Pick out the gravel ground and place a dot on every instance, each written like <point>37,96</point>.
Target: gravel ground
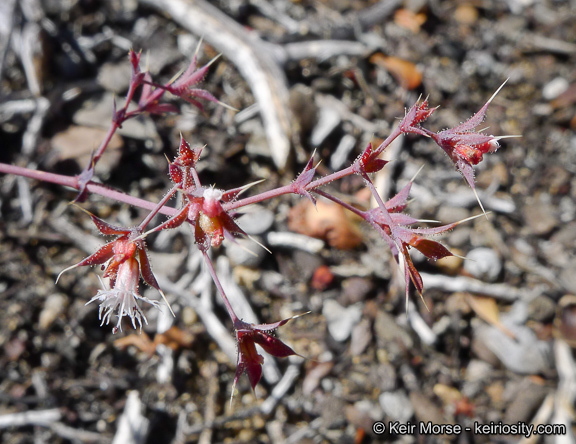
<point>493,342</point>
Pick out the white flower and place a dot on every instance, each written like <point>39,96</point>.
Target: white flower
<point>123,297</point>
<point>213,194</point>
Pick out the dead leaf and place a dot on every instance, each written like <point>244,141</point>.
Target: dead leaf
<point>141,341</point>
<point>327,221</point>
<point>78,143</point>
<point>406,73</point>
<point>315,375</point>
<point>487,310</point>
<point>409,19</point>
<point>173,338</point>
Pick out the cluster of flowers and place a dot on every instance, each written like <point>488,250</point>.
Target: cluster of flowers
<point>210,212</point>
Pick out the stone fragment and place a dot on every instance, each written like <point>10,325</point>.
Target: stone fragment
<point>341,320</point>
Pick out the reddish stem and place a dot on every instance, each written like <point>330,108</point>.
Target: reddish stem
<point>235,319</point>
<point>158,207</point>
<point>229,206</point>
<point>98,154</point>
<point>92,187</point>
<point>287,189</point>
<point>395,133</point>
<point>340,202</point>
<point>115,124</point>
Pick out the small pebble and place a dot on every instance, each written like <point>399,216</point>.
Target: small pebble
<point>256,221</point>
<point>540,217</point>
<point>361,337</point>
<point>396,405</point>
<point>54,306</point>
<point>303,108</point>
<point>554,88</point>
<point>483,264</point>
<point>257,144</point>
<point>296,241</point>
<point>355,289</point>
<point>322,278</point>
<point>568,276</point>
<point>115,77</point>
<point>528,399</point>
<point>78,143</point>
<point>328,120</point>
<point>390,335</point>
<point>524,354</point>
<point>341,320</point>
<point>542,308</point>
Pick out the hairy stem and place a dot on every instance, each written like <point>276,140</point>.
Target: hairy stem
<point>92,187</point>
<point>340,202</point>
<point>286,189</point>
<point>235,319</point>
<point>158,207</point>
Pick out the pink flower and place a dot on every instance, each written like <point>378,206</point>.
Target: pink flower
<point>123,297</point>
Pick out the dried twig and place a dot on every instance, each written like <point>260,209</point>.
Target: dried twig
<point>209,372</point>
<point>133,425</point>
<point>322,50</point>
<point>78,435</point>
<point>281,389</point>
<point>566,391</point>
<point>461,283</point>
<point>203,307</point>
<point>31,417</point>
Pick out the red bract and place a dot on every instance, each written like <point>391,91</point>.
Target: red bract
<point>149,102</point>
<point>183,86</point>
<point>205,213</point>
<point>368,161</point>
<point>213,223</point>
<point>417,114</point>
<point>304,179</point>
<point>203,209</point>
<point>394,227</point>
<point>181,170</point>
<point>127,261</point>
<point>249,361</point>
<point>464,145</point>
<point>152,92</point>
<point>125,246</point>
<point>134,58</point>
<point>150,99</point>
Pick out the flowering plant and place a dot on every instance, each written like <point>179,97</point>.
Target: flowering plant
<point>210,212</point>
